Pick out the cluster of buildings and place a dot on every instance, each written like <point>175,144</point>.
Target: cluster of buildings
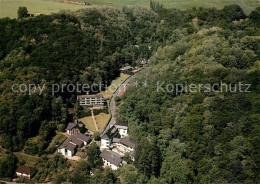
<point>72,143</point>
<point>115,144</point>
<point>75,141</point>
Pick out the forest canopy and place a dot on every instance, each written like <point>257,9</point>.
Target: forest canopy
<point>181,137</point>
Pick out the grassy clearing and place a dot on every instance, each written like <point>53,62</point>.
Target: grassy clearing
<point>114,84</point>
<point>247,5</point>
<point>87,121</point>
<point>30,160</point>
<point>8,8</point>
<point>57,140</point>
<point>102,120</point>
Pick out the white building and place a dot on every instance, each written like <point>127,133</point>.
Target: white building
<point>105,142</point>
<point>122,129</point>
<point>91,100</point>
<point>123,146</point>
<point>69,146</point>
<point>111,159</point>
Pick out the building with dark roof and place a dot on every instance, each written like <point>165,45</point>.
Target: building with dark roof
<point>85,139</point>
<point>111,159</point>
<point>77,142</point>
<point>116,140</point>
<point>69,146</point>
<point>74,128</point>
<point>25,172</point>
<point>128,143</point>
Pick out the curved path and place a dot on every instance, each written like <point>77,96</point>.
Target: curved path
<point>112,103</point>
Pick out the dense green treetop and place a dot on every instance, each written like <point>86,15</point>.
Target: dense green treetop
<point>183,137</point>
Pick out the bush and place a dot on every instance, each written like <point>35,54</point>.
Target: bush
<point>96,136</point>
<point>98,111</point>
<point>61,127</point>
<point>22,12</point>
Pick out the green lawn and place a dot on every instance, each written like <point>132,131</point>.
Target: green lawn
<point>8,8</point>
<point>114,84</point>
<point>102,120</point>
<point>88,123</point>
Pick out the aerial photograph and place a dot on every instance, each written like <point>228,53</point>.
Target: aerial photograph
<point>130,91</point>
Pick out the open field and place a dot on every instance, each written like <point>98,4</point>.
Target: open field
<point>102,120</point>
<point>30,160</point>
<point>87,121</point>
<point>247,5</point>
<point>114,84</point>
<point>8,8</point>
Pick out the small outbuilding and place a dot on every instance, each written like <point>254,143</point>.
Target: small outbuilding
<point>25,172</point>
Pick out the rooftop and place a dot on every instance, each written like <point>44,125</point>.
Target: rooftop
<point>105,136</point>
<point>111,157</point>
<point>26,170</point>
<point>71,126</point>
<point>83,137</point>
<point>68,145</point>
<point>116,140</point>
<point>75,140</point>
<point>127,142</point>
<point>121,124</point>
